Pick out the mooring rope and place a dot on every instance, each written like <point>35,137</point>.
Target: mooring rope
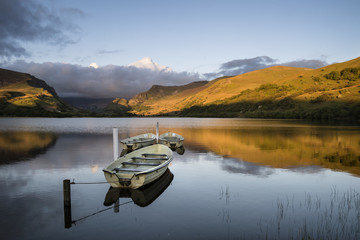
<point>73,182</point>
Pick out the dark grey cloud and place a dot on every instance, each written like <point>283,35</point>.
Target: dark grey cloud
<point>240,66</point>
<point>27,21</point>
<point>71,80</point>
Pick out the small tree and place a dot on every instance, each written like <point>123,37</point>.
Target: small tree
<point>334,75</point>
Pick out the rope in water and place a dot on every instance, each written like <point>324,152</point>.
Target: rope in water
<point>103,210</point>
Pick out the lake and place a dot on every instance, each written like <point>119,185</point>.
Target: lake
<point>237,179</point>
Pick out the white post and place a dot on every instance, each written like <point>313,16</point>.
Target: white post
<point>157,132</point>
<point>116,143</point>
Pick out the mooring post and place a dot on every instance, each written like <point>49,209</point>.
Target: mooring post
<point>116,142</point>
<point>117,206</point>
<point>67,203</point>
<point>157,132</point>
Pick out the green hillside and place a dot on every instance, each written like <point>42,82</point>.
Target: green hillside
<point>24,95</point>
<point>276,92</point>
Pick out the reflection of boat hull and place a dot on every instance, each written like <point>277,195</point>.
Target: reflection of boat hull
<point>140,167</point>
<point>137,142</point>
<point>172,140</point>
<point>143,196</point>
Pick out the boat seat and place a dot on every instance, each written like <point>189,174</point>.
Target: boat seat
<point>141,164</point>
<point>154,154</point>
<point>149,158</point>
<point>126,170</point>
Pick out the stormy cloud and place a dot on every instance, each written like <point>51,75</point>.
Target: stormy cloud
<point>70,80</point>
<point>26,21</point>
<point>240,66</point>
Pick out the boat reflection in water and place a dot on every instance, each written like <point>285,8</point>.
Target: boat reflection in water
<point>143,196</point>
<point>179,150</point>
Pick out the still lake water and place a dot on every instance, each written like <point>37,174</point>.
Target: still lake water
<point>237,179</point>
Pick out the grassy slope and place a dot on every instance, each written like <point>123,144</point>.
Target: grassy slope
<point>259,93</point>
<point>23,95</point>
<point>170,100</point>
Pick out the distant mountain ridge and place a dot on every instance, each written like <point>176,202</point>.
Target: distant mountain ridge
<point>90,104</point>
<point>158,91</point>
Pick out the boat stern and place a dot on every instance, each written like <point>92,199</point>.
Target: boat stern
<point>115,181</point>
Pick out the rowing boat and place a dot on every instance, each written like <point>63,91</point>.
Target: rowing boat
<point>172,140</point>
<point>139,167</point>
<point>138,141</point>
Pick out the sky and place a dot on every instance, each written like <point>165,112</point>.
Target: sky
<point>84,47</point>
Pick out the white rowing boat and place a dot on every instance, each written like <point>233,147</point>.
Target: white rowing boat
<point>139,141</point>
<point>139,167</point>
<point>172,140</point>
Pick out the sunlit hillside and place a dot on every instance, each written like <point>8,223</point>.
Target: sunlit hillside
<point>276,92</point>
<point>24,95</point>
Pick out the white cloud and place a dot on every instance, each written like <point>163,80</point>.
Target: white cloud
<point>147,63</point>
<point>94,65</point>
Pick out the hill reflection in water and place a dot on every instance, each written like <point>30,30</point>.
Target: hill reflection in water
<point>18,146</point>
<point>292,147</point>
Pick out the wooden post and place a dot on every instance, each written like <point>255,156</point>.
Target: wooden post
<point>157,132</point>
<point>117,206</point>
<point>116,142</point>
<point>67,203</point>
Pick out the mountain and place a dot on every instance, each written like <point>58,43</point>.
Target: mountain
<point>275,92</point>
<point>142,102</point>
<point>119,107</point>
<point>24,95</point>
<point>90,104</point>
<point>147,63</point>
<point>157,92</point>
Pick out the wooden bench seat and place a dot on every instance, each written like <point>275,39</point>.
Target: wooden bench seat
<point>141,164</point>
<point>149,158</point>
<point>127,170</point>
<point>154,154</point>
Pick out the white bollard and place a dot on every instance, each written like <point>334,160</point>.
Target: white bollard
<point>116,142</point>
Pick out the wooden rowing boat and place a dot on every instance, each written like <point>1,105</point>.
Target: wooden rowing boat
<point>172,140</point>
<point>138,141</point>
<point>143,196</point>
<point>139,167</point>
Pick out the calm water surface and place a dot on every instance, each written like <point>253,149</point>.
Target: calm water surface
<point>237,179</point>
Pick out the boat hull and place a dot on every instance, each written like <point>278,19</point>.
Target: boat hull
<point>144,169</point>
<point>143,196</point>
<point>135,182</point>
<point>172,140</point>
<point>138,142</point>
